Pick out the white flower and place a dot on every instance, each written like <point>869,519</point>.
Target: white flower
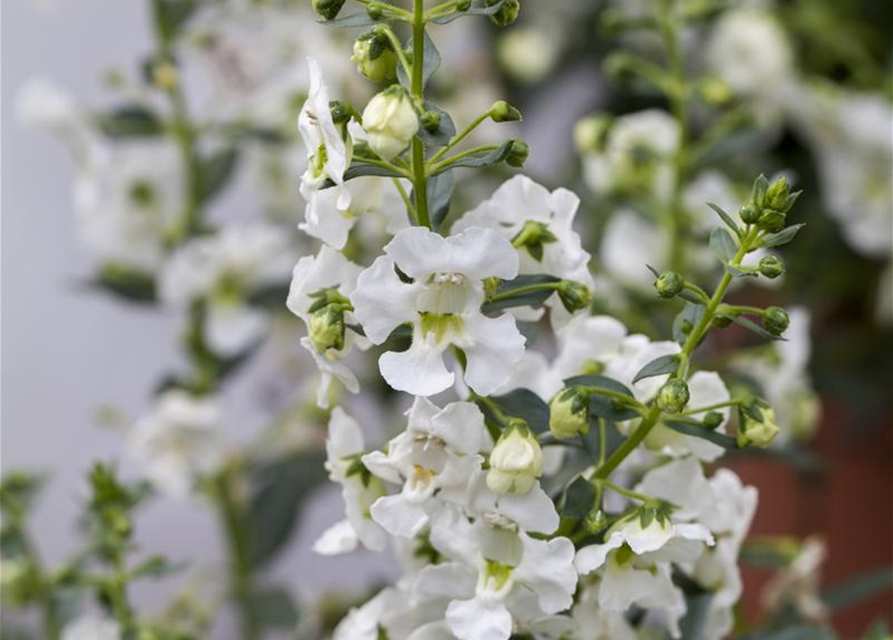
<point>328,270</point>
<point>390,121</point>
<point>516,462</point>
<point>799,583</point>
<point>594,623</point>
<point>629,243</point>
<point>177,441</point>
<point>91,628</point>
<point>588,343</point>
<point>130,199</point>
<point>443,305</point>
<point>328,155</point>
<point>637,156</point>
<point>41,102</point>
<point>540,225</point>
<point>434,460</point>
<point>223,270</point>
<point>360,490</point>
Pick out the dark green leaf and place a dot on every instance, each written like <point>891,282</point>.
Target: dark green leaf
<point>719,439</point>
<point>274,608</point>
<point>353,20</point>
<point>529,298</point>
<point>730,222</point>
<point>125,283</point>
<point>473,11</point>
<point>432,63</point>
<point>130,121</point>
<point>722,245</point>
<point>278,489</point>
<point>217,170</point>
<point>601,406</point>
<point>525,404</point>
<point>482,159</point>
<point>693,624</point>
<point>747,323</point>
<point>172,15</point>
<point>657,367</point>
<point>358,170</point>
<point>864,586</point>
<point>445,131</point>
<point>579,499</point>
<point>740,273</point>
<point>440,192</point>
<point>690,315</point>
<point>782,237</point>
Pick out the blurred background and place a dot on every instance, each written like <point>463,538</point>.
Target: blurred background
<point>70,349</point>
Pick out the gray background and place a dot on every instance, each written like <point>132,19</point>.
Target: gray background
<point>65,351</point>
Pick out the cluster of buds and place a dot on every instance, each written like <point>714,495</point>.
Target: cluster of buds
<point>769,204</point>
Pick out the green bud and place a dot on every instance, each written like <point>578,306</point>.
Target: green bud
<point>673,396</point>
<point>721,322</point>
<point>686,326</point>
<point>595,522</point>
<point>777,194</point>
<point>342,112</point>
<point>518,153</point>
<point>326,329</point>
<point>430,121</point>
<point>328,9</point>
<point>771,221</point>
<point>516,461</point>
<point>375,11</point>
<point>569,413</point>
<point>502,111</point>
<point>756,425</point>
<point>463,5</point>
<point>591,133</point>
<point>669,284</point>
<point>775,320</point>
<point>490,286</point>
<point>574,296</point>
<point>533,236</point>
<point>506,14</point>
<point>375,57</point>
<point>713,419</point>
<point>771,266</point>
<point>758,193</point>
<point>749,214</point>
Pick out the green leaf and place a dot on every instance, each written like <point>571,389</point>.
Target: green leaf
<point>217,171</point>
<point>445,131</point>
<point>278,489</point>
<point>127,284</point>
<point>354,20</point>
<point>722,245</point>
<point>529,298</point>
<point>274,608</point>
<point>172,15</point>
<point>693,624</point>
<point>579,499</point>
<point>481,159</point>
<point>782,237</point>
<point>440,193</point>
<point>658,367</point>
<point>691,314</point>
<point>525,404</point>
<point>749,324</point>
<point>431,64</point>
<point>740,273</point>
<point>730,222</point>
<point>864,586</point>
<point>601,406</point>
<point>357,170</point>
<point>130,121</point>
<point>719,439</point>
<point>473,11</point>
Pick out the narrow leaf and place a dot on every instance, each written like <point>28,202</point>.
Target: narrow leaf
<point>431,64</point>
<point>722,245</point>
<point>730,222</point>
<point>473,11</point>
<point>749,324</point>
<point>130,121</point>
<point>525,299</point>
<point>358,170</point>
<point>690,316</point>
<point>720,439</point>
<point>782,237</point>
<point>217,171</point>
<point>440,192</point>
<point>482,159</point>
<point>657,367</point>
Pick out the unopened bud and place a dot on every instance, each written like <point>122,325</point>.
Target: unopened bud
<point>326,329</point>
<point>569,413</point>
<point>777,194</point>
<point>430,121</point>
<point>390,121</point>
<point>374,11</point>
<point>712,420</point>
<point>518,153</point>
<point>375,57</point>
<point>502,111</point>
<point>506,14</point>
<point>775,320</point>
<point>757,425</point>
<point>574,295</point>
<point>328,9</point>
<point>533,236</point>
<point>673,396</point>
<point>669,284</point>
<point>771,266</point>
<point>516,461</point>
<point>591,132</point>
<point>749,214</point>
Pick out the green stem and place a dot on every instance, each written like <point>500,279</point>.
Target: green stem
<point>375,162</point>
<point>616,395</point>
<point>461,135</point>
<point>405,197</point>
<point>459,156</point>
<point>396,12</point>
<point>398,50</point>
<point>616,488</point>
<point>602,441</point>
<point>419,166</point>
<point>241,569</point>
<point>712,407</point>
<point>507,295</point>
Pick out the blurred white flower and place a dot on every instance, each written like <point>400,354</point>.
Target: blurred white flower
<point>91,628</point>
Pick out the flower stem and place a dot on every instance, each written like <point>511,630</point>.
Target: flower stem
<point>459,156</point>
<point>540,286</point>
<point>461,136</point>
<point>419,166</point>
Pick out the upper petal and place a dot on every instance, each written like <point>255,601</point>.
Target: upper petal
<point>382,302</point>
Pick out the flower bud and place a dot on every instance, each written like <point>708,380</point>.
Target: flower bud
<point>391,121</point>
<point>721,322</point>
<point>669,284</point>
<point>775,320</point>
<point>326,328</point>
<point>516,461</point>
<point>569,413</point>
<point>715,91</point>
<point>375,56</point>
<point>591,132</point>
<point>777,194</point>
<point>712,420</point>
<point>328,9</point>
<point>673,396</point>
<point>771,221</point>
<point>430,121</point>
<point>574,295</point>
<point>771,266</point>
<point>375,11</point>
<point>749,214</point>
<point>506,14</point>
<point>757,425</point>
<point>502,111</point>
<point>595,522</point>
<point>533,236</point>
<point>518,153</point>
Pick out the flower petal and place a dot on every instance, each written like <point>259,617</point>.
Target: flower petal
<point>493,347</point>
<point>398,516</point>
<point>419,370</point>
<point>382,302</point>
<point>479,619</point>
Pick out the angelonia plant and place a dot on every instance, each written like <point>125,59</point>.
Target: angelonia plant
<point>551,471</point>
<point>535,498</point>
